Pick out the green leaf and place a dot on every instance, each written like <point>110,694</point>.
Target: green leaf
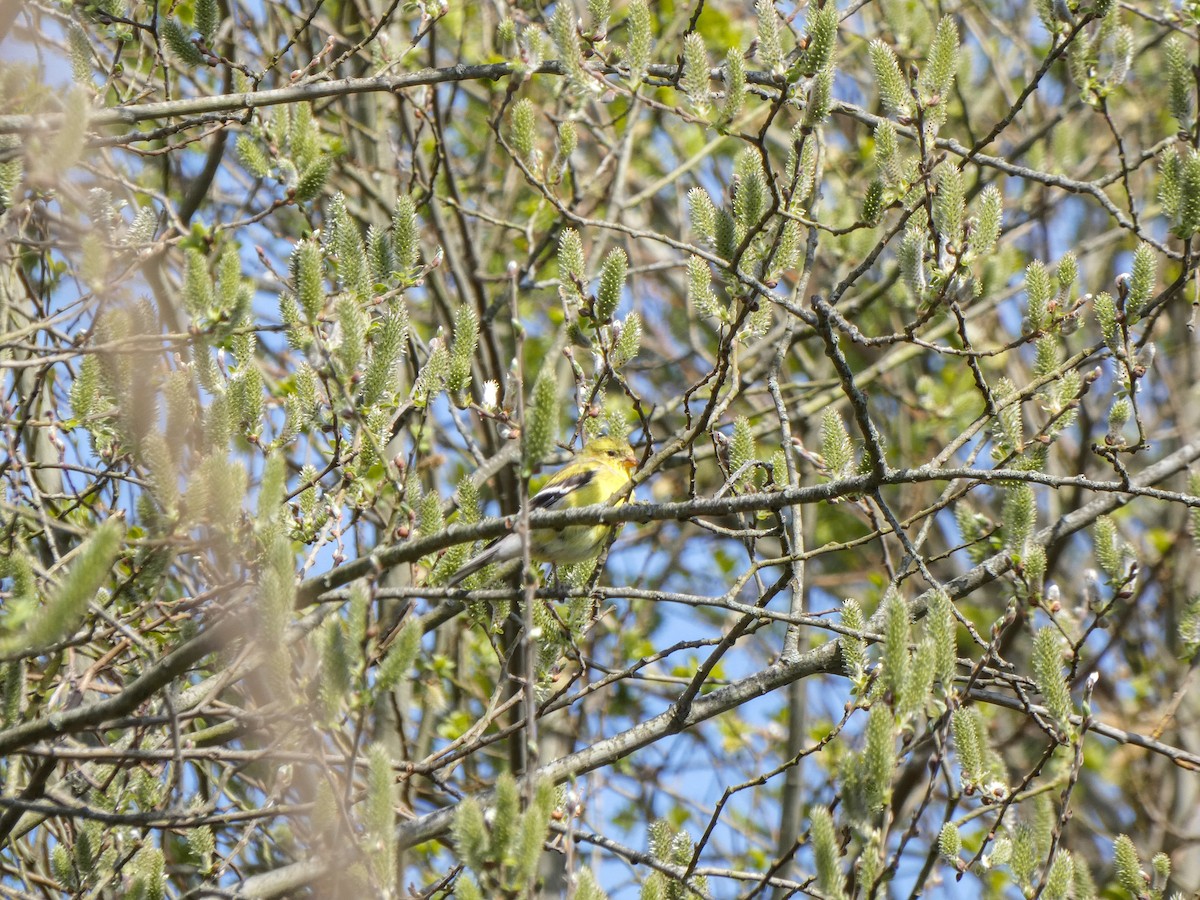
<point>306,265</point>
<point>879,758</point>
<point>1182,86</point>
<point>400,656</point>
<point>1038,292</point>
<point>523,123</point>
<point>612,282</point>
<point>462,354</point>
<point>1142,281</point>
<point>1019,514</point>
<point>741,446</point>
<point>1047,673</point>
<point>312,180</point>
<point>67,604</point>
<point>700,293</point>
<point>893,89</point>
<point>703,214</point>
<point>897,635</point>
<point>640,40</point>
<point>937,77</point>
<point>388,346</point>
<point>735,87</point>
<point>571,265</point>
<point>1127,867</point>
<point>198,294</point>
<point>405,237</point>
<point>822,28</point>
<point>887,152</point>
<point>207,17</point>
<point>836,447</point>
<point>750,202</point>
<point>949,205</point>
<point>1106,315</point>
<point>79,47</point>
<point>470,835</point>
<point>380,813</point>
<point>353,324</point>
<point>541,424</point>
<point>988,221</point>
<point>949,842</point>
<point>825,854</point>
<point>695,75</point>
<point>628,342</point>
<point>180,43</point>
<point>770,46</point>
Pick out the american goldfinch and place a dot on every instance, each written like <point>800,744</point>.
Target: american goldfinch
<point>597,472</point>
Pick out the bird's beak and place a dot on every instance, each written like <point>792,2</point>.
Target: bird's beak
<point>629,462</point>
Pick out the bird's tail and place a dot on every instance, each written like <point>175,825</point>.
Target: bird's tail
<point>499,551</point>
<point>485,558</point>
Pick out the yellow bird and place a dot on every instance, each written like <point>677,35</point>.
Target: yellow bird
<point>598,471</point>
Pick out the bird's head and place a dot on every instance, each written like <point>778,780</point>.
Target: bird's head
<point>614,451</point>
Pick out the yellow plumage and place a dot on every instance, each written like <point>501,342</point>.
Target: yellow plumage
<point>600,470</point>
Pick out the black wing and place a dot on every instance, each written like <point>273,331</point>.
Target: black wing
<point>552,495</point>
